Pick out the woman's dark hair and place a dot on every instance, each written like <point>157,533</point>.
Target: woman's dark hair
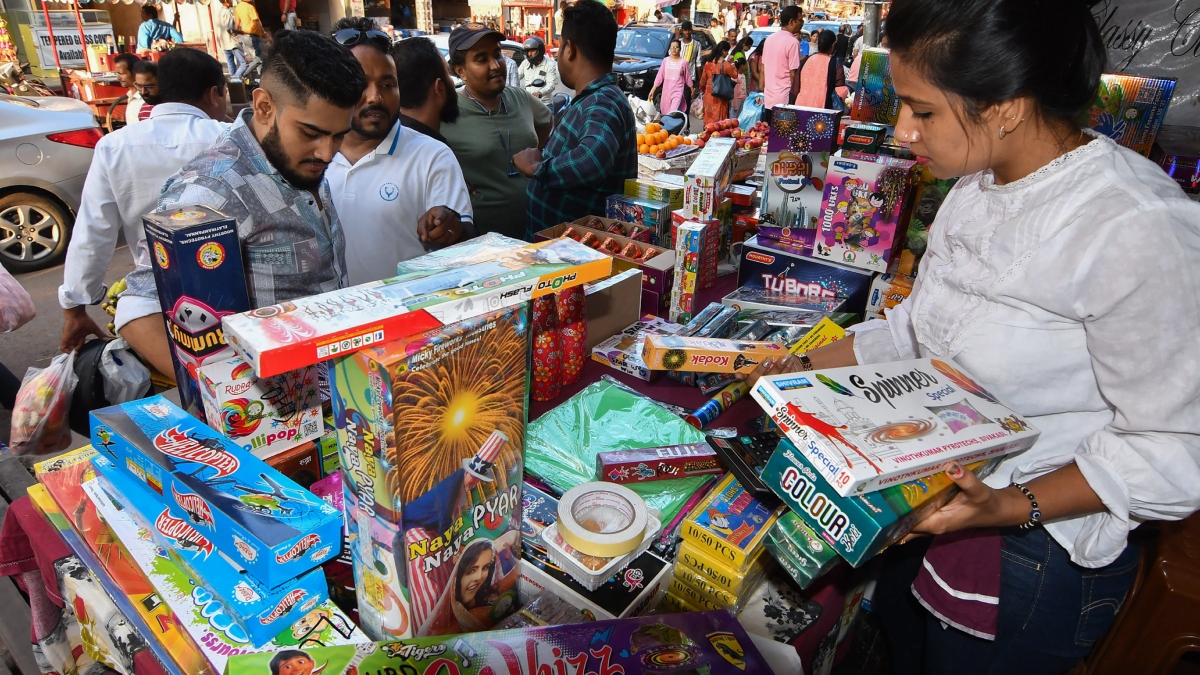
<point>746,42</point>
<point>720,51</point>
<point>825,41</point>
<point>486,594</point>
<point>985,52</point>
<point>286,655</point>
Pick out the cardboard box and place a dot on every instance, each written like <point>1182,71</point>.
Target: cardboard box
<point>798,150</point>
<point>1130,109</point>
<point>435,290</point>
<point>713,643</point>
<point>707,179</point>
<point>264,416</point>
<point>861,222</point>
<point>197,263</point>
<point>799,550</point>
<point>612,305</point>
<point>257,516</point>
<point>887,291</point>
<point>431,430</point>
<point>863,137</point>
<point>689,245</point>
<point>653,215</point>
<point>706,355</point>
<point>1177,151</point>
<point>869,427</point>
<point>261,612</point>
<point>301,463</point>
<point>649,464</point>
<point>658,191</point>
<point>749,299</point>
<point>875,100</point>
<point>927,201</point>
<point>716,572</point>
<point>730,524</point>
<point>623,351</point>
<point>658,272</point>
<point>800,277</point>
<point>861,526</point>
<point>741,195</point>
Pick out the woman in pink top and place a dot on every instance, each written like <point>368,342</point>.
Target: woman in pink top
<point>822,77</point>
<point>673,76</point>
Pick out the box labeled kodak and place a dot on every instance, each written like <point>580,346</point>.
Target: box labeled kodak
<point>263,520</point>
<point>453,284</point>
<point>730,523</point>
<point>623,351</point>
<point>866,428</point>
<point>860,526</point>
<point>265,416</point>
<point>261,612</point>
<point>706,355</point>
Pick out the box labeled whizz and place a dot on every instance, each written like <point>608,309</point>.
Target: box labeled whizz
<point>647,464</point>
<point>707,355</point>
<point>861,209</point>
<point>868,427</point>
<point>440,288</point>
<point>197,263</point>
<point>263,520</point>
<point>798,150</point>
<point>263,415</point>
<point>730,523</point>
<point>860,526</point>
<point>431,430</point>
<point>262,612</point>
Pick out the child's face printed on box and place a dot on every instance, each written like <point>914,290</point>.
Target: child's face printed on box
<point>301,665</point>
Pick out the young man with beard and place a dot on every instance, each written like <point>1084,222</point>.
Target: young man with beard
<point>592,150</point>
<point>267,172</point>
<point>427,96</point>
<point>495,123</point>
<point>398,192</point>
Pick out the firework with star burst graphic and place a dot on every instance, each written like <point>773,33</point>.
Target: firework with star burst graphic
<point>797,160</point>
<point>863,203</point>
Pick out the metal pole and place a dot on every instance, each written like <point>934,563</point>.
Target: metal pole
<point>871,31</point>
<point>212,25</point>
<point>53,44</point>
<point>82,37</point>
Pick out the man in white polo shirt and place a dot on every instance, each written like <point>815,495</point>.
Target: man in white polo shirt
<point>398,192</point>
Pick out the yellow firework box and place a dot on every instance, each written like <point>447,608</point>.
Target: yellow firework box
<point>730,523</point>
<point>707,355</point>
<point>430,432</point>
<point>701,601</point>
<point>718,596</point>
<point>716,572</point>
<point>673,604</point>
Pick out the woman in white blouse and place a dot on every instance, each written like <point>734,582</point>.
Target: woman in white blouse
<point>1063,272</point>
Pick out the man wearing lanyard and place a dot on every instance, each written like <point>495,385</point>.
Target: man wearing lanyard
<point>267,172</point>
<point>123,183</point>
<point>591,152</point>
<point>398,192</point>
<point>495,123</point>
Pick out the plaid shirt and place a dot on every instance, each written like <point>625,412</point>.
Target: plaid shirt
<point>290,248</point>
<point>588,157</point>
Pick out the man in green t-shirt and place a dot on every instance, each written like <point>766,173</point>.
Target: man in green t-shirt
<point>495,123</point>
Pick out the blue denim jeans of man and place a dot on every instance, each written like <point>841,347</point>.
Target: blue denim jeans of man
<point>1052,611</point>
<point>236,61</point>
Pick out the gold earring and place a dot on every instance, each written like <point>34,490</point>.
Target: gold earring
<point>1002,132</point>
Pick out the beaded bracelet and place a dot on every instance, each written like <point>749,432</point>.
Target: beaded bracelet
<point>1035,513</point>
<point>805,363</point>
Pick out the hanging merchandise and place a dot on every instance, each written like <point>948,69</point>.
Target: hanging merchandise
<point>547,350</point>
<point>572,328</point>
<point>8,52</point>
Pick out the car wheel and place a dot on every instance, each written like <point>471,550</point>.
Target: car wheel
<point>34,232</point>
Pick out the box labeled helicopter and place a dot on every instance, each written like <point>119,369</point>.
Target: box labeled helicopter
<point>265,522</point>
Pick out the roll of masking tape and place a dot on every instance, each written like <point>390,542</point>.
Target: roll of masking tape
<point>602,519</point>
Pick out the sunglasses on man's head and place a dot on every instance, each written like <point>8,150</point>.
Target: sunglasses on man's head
<point>351,37</point>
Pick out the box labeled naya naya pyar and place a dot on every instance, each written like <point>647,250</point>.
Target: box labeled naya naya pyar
<point>865,428</point>
<point>430,431</point>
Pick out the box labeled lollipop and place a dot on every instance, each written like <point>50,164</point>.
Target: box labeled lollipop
<point>260,611</point>
<point>865,428</point>
<point>263,520</point>
<point>437,289</point>
<point>266,416</point>
<point>430,430</point>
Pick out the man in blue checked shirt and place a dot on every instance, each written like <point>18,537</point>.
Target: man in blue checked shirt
<point>592,150</point>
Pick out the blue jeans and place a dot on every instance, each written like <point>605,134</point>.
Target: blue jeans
<point>1051,611</point>
<point>237,62</point>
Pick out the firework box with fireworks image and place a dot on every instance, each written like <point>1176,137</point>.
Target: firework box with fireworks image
<point>431,430</point>
<point>866,428</point>
<point>263,520</point>
<point>860,526</point>
<point>707,643</point>
<point>437,289</point>
<point>707,179</point>
<point>861,210</point>
<point>261,612</point>
<point>706,355</point>
<point>730,523</point>
<point>875,100</point>
<point>201,615</point>
<point>798,150</point>
<point>263,415</point>
<point>801,277</point>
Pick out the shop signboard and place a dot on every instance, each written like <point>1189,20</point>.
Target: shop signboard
<point>70,52</point>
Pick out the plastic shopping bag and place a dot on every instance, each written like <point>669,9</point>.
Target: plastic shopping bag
<point>752,111</point>
<point>39,417</point>
<point>125,377</point>
<point>16,307</point>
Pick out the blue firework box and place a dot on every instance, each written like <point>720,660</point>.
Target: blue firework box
<point>263,613</point>
<point>263,520</point>
<point>801,277</point>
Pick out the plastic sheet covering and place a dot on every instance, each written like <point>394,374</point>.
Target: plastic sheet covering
<point>561,446</point>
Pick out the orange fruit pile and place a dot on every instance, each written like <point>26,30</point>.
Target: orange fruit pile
<point>656,139</point>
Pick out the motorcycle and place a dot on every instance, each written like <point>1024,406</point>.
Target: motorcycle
<point>558,101</point>
<point>15,83</point>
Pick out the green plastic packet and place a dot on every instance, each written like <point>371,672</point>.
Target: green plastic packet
<point>561,446</point>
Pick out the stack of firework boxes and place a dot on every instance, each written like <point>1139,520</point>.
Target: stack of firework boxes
<point>721,559</point>
<point>429,382</point>
<point>861,461</point>
<point>698,229</point>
